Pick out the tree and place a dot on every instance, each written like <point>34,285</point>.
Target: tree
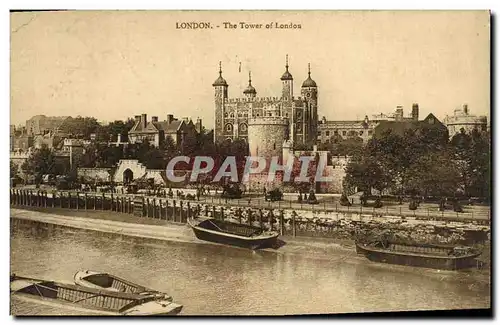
<point>472,154</point>
<point>13,170</point>
<point>112,129</point>
<point>80,127</point>
<point>41,162</point>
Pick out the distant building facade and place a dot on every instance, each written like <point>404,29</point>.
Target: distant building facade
<point>332,131</point>
<point>399,127</point>
<point>155,131</point>
<point>41,124</point>
<point>462,119</point>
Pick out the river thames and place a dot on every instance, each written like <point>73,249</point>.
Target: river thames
<point>218,280</point>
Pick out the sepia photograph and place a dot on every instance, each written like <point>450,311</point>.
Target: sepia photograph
<point>250,162</point>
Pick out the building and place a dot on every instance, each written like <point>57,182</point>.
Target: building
<point>332,131</point>
<point>462,119</point>
<point>156,131</point>
<point>399,127</point>
<point>301,113</point>
<point>41,124</point>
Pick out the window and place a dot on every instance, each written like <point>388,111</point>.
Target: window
<point>229,127</point>
<point>360,132</point>
<point>243,127</point>
<point>336,132</point>
<point>327,133</point>
<point>344,133</point>
<point>327,141</point>
<point>319,133</point>
<point>232,115</point>
<point>225,114</point>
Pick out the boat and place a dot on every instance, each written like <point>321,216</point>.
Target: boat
<point>444,257</point>
<point>230,233</point>
<point>106,281</point>
<point>90,300</point>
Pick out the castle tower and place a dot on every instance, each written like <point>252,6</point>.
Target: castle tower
<point>266,136</point>
<point>287,82</point>
<point>309,91</point>
<point>220,85</point>
<point>250,91</point>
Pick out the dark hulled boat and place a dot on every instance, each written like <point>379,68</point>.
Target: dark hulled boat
<point>445,257</point>
<point>231,233</point>
<point>90,300</point>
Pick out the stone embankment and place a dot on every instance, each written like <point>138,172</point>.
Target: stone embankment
<point>289,222</point>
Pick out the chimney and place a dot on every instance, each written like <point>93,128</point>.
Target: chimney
<point>170,118</point>
<point>137,119</point>
<point>198,125</point>
<point>466,109</point>
<point>398,116</point>
<point>414,111</point>
<point>144,120</point>
<point>154,118</point>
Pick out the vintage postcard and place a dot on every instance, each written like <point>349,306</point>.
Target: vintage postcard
<point>250,162</point>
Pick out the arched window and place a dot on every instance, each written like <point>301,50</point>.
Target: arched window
<point>225,114</point>
<point>243,127</point>
<point>228,128</point>
<point>232,115</point>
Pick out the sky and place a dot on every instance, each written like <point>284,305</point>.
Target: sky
<point>117,64</point>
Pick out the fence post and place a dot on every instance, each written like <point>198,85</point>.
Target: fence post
<point>238,212</point>
<point>94,199</point>
<point>180,210</point>
<point>147,207</point>
<point>166,210</point>
<point>173,210</point>
<point>45,200</point>
<point>282,220</point>
<point>260,218</point>
<point>221,213</point>
<point>400,212</point>
<point>206,210</point>
<point>188,210</point>
<point>53,199</point>
<point>77,200</point>
<point>112,201</point>
<point>69,200</point>
<point>271,217</point>
<point>213,212</point>
<point>85,200</point>
<point>38,199</point>
<point>294,231</point>
<point>103,199</point>
<point>249,216</point>
<point>154,208</point>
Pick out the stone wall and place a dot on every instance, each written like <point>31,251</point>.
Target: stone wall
<point>95,174</point>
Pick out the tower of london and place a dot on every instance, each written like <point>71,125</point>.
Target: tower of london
<point>233,115</point>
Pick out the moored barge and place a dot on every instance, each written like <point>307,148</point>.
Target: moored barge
<point>89,300</point>
<point>445,257</point>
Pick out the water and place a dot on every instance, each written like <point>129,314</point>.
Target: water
<point>217,280</point>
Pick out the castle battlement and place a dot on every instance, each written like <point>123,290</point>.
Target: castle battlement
<point>268,120</point>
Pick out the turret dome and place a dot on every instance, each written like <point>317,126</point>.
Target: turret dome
<point>309,82</point>
<point>220,81</point>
